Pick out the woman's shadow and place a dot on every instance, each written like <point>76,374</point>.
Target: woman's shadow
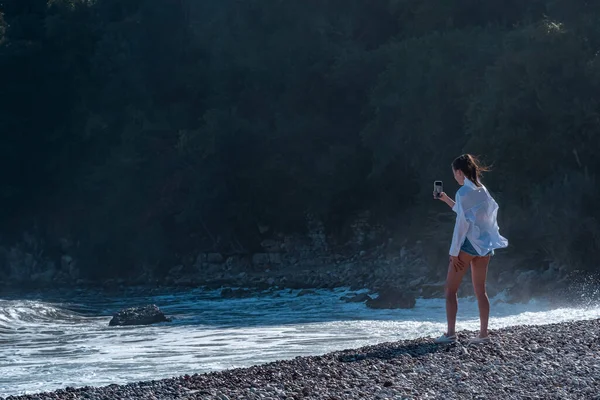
<point>391,352</point>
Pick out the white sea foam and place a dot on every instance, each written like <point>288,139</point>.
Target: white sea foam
<point>66,341</point>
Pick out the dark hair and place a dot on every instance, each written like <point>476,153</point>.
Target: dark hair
<point>470,166</point>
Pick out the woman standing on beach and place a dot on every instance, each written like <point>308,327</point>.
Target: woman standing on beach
<point>476,236</point>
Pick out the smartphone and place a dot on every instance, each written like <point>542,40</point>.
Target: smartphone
<point>438,188</point>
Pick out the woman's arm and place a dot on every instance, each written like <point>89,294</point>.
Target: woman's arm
<point>444,197</point>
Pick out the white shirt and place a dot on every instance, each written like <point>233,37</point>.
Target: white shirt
<point>476,219</point>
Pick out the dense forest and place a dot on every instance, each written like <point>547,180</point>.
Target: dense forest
<point>147,129</point>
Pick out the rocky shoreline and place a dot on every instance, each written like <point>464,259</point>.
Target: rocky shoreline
<point>406,271</point>
<point>297,262</point>
<point>559,361</point>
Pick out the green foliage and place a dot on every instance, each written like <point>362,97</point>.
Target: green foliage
<point>153,129</point>
<point>418,102</point>
<point>538,112</point>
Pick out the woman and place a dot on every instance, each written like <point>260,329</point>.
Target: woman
<point>476,236</point>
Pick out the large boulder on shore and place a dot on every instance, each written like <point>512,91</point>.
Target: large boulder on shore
<point>391,298</point>
<point>147,315</point>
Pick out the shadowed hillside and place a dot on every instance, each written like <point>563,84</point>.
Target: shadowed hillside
<point>136,135</point>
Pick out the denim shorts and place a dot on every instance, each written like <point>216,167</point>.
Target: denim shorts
<point>468,248</point>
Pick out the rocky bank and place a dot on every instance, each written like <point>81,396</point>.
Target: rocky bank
<point>370,259</point>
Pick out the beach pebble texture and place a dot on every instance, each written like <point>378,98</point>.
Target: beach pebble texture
<point>560,361</point>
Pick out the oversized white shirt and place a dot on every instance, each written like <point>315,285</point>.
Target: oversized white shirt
<point>476,219</point>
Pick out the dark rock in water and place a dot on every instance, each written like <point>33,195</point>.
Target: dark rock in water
<point>305,292</point>
<point>147,315</point>
<point>357,298</point>
<point>392,298</point>
<point>229,293</point>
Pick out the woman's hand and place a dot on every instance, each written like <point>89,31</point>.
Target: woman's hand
<point>441,196</point>
<point>457,263</point>
<point>444,197</point>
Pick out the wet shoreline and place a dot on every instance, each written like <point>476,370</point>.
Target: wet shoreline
<point>536,362</point>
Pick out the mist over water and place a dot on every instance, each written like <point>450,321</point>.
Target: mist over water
<point>49,340</point>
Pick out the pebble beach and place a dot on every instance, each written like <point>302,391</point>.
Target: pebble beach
<point>557,361</point>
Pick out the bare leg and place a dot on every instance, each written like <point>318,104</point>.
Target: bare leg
<point>452,284</point>
<point>479,268</point>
